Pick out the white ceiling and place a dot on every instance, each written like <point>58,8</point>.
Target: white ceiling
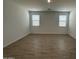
<point>37,5</point>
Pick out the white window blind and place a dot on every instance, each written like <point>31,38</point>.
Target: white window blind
<point>35,20</point>
<point>62,20</point>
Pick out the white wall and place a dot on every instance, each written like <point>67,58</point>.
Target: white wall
<point>16,22</point>
<point>72,23</point>
<point>49,23</point>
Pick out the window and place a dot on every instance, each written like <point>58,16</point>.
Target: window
<point>62,20</point>
<point>35,20</point>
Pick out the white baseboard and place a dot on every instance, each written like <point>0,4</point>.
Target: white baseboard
<point>48,33</point>
<point>71,36</point>
<point>15,40</point>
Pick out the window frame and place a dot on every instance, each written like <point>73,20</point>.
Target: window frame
<point>35,20</point>
<point>61,20</point>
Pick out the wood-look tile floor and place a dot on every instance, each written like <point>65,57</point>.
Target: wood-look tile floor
<point>37,46</point>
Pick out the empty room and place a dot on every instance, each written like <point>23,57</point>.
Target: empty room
<point>39,29</point>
